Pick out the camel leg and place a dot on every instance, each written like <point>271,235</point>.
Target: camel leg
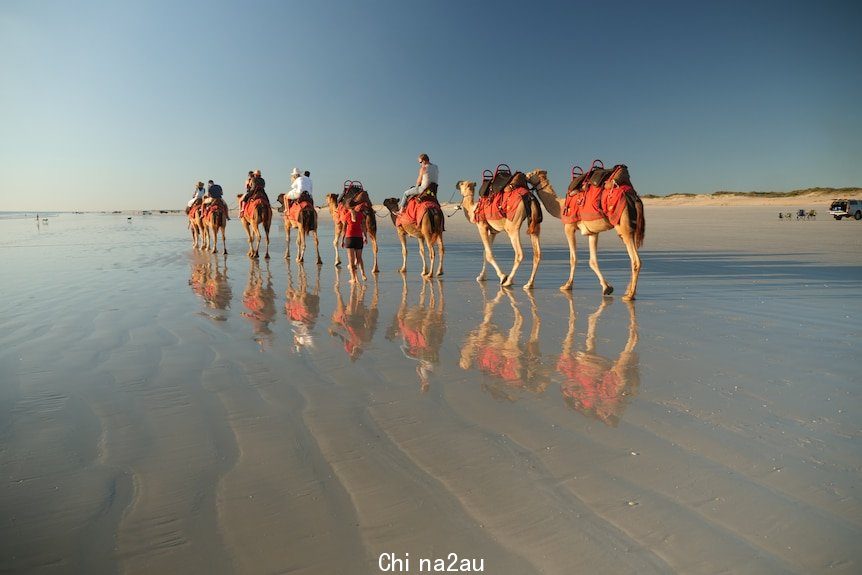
<point>316,247</point>
<point>487,241</point>
<point>422,242</point>
<point>607,289</point>
<point>537,257</point>
<point>266,230</point>
<point>374,269</point>
<point>570,230</point>
<point>515,238</point>
<point>335,247</point>
<point>402,237</point>
<point>635,259</point>
<point>300,245</point>
<point>440,251</point>
<point>249,236</point>
<point>223,240</point>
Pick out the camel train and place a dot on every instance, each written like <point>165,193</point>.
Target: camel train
<point>597,200</point>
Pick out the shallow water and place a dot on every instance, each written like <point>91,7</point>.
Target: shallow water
<point>166,409</point>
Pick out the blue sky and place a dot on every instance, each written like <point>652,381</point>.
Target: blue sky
<point>112,104</point>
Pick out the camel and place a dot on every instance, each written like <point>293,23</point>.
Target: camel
<point>215,219</point>
<point>630,229</point>
<point>514,367</point>
<point>197,228</point>
<point>490,227</point>
<point>421,328</point>
<point>428,232</point>
<point>257,212</point>
<point>593,384</point>
<point>304,219</point>
<point>337,209</point>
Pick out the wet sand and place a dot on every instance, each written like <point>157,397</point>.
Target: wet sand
<point>165,410</point>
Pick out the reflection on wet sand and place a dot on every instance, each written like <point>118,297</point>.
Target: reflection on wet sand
<point>594,384</point>
<point>354,324</point>
<point>259,301</point>
<point>421,328</point>
<point>513,367</point>
<point>209,280</point>
<point>302,307</point>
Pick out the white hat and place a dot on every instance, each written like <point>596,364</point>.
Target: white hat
<point>295,172</point>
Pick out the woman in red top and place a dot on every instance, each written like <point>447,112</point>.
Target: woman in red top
<point>354,240</point>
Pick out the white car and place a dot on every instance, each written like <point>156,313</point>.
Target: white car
<point>846,209</point>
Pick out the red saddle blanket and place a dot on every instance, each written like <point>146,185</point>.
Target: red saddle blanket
<point>596,203</point>
<point>415,210</point>
<point>500,205</point>
<point>296,207</point>
<point>251,205</point>
<point>213,207</point>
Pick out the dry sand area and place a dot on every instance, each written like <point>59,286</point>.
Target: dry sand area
<point>168,411</point>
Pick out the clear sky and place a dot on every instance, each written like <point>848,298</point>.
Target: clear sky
<point>125,104</point>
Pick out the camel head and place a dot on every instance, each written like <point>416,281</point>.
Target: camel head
<point>391,204</point>
<point>466,188</point>
<point>536,177</point>
<point>331,199</point>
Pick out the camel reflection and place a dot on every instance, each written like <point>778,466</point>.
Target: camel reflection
<point>593,384</point>
<point>258,297</point>
<point>209,281</point>
<point>421,328</point>
<point>354,323</point>
<point>514,368</point>
<point>302,308</point>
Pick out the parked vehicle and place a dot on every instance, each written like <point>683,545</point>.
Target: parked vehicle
<point>844,208</point>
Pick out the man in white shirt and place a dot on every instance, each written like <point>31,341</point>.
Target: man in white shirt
<point>301,183</point>
<point>428,174</point>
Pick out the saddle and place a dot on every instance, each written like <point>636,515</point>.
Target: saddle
<point>416,206</point>
<point>589,198</point>
<point>253,201</point>
<point>494,203</point>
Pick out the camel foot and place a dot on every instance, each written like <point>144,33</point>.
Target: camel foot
<point>440,273</point>
<point>507,281</point>
<point>566,287</point>
<point>266,256</point>
<point>338,264</point>
<point>480,278</point>
<point>608,290</point>
<point>319,262</point>
<point>629,297</point>
<point>528,287</point>
<point>403,270</point>
<point>225,252</point>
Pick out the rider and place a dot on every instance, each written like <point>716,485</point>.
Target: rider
<point>255,185</point>
<point>215,192</point>
<point>197,196</point>
<point>301,184</point>
<point>428,174</point>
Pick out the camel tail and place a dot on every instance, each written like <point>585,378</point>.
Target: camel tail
<point>640,226</point>
<point>371,220</point>
<point>438,221</point>
<point>308,220</point>
<point>534,228</point>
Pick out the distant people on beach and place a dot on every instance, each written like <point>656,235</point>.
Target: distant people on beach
<point>428,174</point>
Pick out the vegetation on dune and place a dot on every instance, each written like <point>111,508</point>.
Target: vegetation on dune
<point>831,192</point>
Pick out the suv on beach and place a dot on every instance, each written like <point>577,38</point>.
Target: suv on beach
<point>846,209</point>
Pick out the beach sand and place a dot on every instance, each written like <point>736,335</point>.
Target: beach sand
<point>168,411</point>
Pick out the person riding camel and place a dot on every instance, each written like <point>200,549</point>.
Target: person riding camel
<point>215,192</point>
<point>301,184</point>
<point>427,178</point>
<point>197,197</point>
<point>255,185</point>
